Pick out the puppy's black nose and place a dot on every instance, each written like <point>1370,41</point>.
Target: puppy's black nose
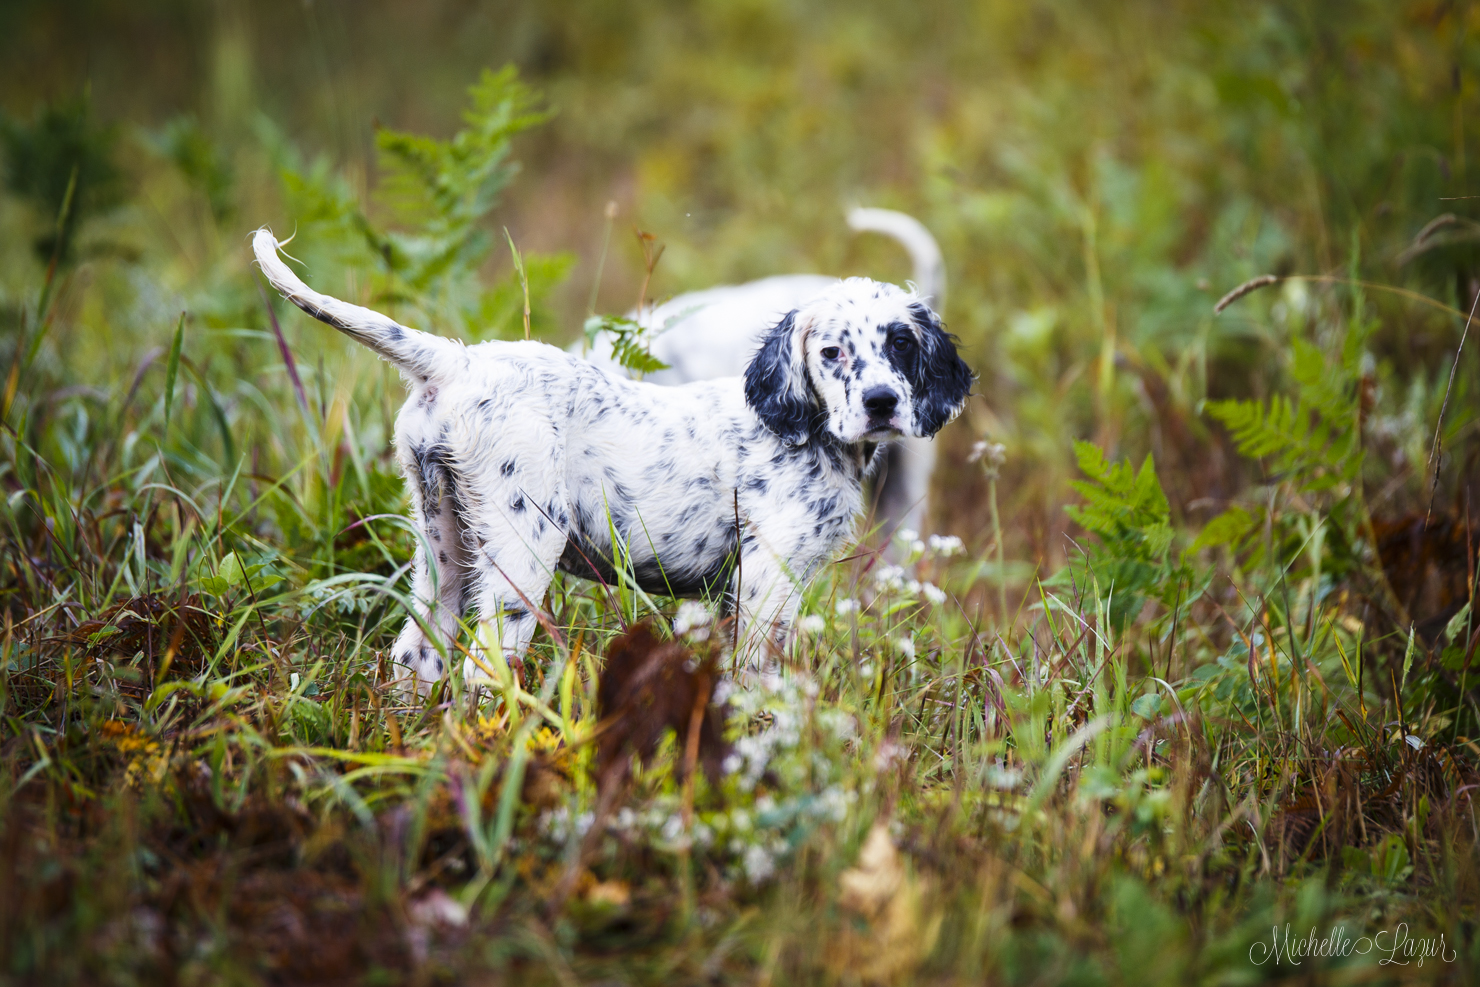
<point>880,402</point>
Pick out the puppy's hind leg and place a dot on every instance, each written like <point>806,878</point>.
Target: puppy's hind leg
<point>439,580</point>
<point>513,559</point>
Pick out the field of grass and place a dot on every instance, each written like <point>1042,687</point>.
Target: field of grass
<point>1180,687</point>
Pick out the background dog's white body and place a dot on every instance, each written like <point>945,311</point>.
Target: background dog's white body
<point>522,459</point>
<point>714,332</point>
<point>703,335</point>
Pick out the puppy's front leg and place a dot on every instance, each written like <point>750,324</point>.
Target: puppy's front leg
<point>768,595</point>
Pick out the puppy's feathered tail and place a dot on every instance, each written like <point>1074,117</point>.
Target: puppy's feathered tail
<point>418,354</point>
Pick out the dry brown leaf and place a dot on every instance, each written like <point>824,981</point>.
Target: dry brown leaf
<point>902,927</point>
<point>868,887</point>
<point>614,894</point>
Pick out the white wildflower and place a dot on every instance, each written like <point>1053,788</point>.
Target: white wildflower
<point>888,755</point>
<point>890,577</point>
<point>907,535</point>
<point>812,624</point>
<point>548,821</point>
<point>758,864</point>
<point>905,646</point>
<point>558,826</point>
<point>703,834</point>
<point>836,722</point>
<point>437,908</point>
<point>933,593</point>
<point>692,619</point>
<point>832,803</point>
<point>946,545</point>
<point>846,607</point>
<point>993,453</point>
<point>917,547</point>
<point>1005,779</point>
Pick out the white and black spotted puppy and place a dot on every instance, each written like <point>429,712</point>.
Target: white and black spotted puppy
<point>522,459</point>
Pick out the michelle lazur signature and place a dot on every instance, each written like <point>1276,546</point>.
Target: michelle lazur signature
<point>1395,947</point>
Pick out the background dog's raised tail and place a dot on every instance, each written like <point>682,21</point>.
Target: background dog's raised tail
<point>930,266</point>
<point>417,353</point>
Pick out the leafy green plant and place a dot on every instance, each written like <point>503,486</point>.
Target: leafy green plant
<point>62,163</point>
<point>1311,441</point>
<point>445,188</point>
<point>1131,556</point>
<point>186,144</point>
<point>232,574</point>
<point>630,341</point>
<point>439,194</point>
<point>1309,445</point>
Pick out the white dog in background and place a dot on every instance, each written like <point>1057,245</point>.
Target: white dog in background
<point>522,459</point>
<point>714,332</point>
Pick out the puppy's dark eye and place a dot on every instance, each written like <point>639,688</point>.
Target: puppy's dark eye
<point>830,352</point>
<point>902,344</point>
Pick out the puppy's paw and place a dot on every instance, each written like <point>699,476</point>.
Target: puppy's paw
<point>474,672</point>
<point>417,669</point>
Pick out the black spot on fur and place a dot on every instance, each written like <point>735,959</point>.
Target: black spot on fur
<point>433,476</point>
<point>507,469</point>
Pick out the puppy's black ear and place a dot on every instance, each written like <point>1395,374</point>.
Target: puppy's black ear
<point>776,386</point>
<point>941,380</point>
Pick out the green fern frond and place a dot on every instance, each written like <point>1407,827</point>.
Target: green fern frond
<point>1128,513</point>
